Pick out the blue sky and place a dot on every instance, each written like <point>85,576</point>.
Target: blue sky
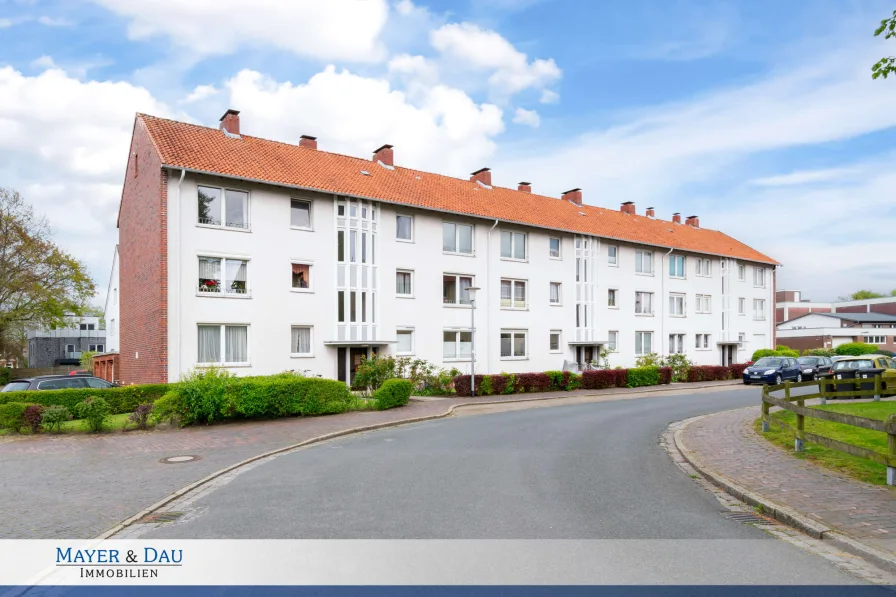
<point>760,116</point>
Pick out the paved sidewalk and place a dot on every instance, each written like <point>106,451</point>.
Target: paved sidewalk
<point>727,445</point>
<point>78,486</point>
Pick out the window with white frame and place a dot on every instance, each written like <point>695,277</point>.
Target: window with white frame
<point>404,228</point>
<point>554,247</point>
<point>611,298</point>
<point>513,245</point>
<point>513,344</point>
<point>457,238</point>
<point>228,208</point>
<point>404,282</point>
<point>643,342</point>
<point>300,341</point>
<point>513,294</point>
<point>643,262</point>
<point>95,347</point>
<point>555,293</point>
<point>300,214</point>
<point>554,345</point>
<point>644,303</point>
<point>877,339</point>
<point>741,306</point>
<point>742,273</point>
<point>701,341</point>
<point>223,344</point>
<point>612,255</point>
<point>676,305</point>
<point>455,289</point>
<point>612,340</point>
<point>704,303</point>
<point>759,277</point>
<point>69,348</point>
<point>222,275</point>
<point>405,337</point>
<point>759,309</point>
<point>741,341</point>
<point>301,276</point>
<point>457,344</point>
<point>677,266</point>
<point>676,343</point>
<point>704,267</point>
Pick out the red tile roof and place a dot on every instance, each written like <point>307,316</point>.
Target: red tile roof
<point>204,149</point>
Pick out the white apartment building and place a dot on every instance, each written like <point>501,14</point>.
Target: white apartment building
<point>265,273</point>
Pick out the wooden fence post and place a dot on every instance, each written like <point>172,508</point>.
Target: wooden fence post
<point>799,437</point>
<point>877,388</point>
<point>822,390</point>
<point>891,449</point>
<point>765,416</point>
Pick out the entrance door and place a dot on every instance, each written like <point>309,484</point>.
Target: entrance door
<point>356,357</point>
<point>728,354</point>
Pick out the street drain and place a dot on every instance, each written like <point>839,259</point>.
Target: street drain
<point>180,459</point>
<point>745,518</point>
<point>160,517</point>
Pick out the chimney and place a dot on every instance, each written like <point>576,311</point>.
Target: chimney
<point>308,141</point>
<point>628,207</point>
<point>676,218</point>
<point>693,221</point>
<point>483,175</point>
<point>384,155</point>
<point>525,187</point>
<point>650,213</point>
<point>230,122</point>
<point>574,195</point>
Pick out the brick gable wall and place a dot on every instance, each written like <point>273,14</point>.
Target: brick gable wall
<point>143,253</point>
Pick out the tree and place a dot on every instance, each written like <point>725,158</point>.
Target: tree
<point>893,293</point>
<point>887,65</point>
<point>40,284</point>
<point>861,295</point>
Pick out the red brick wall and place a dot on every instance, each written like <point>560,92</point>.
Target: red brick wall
<point>143,254</point>
<point>779,315</point>
<point>889,308</point>
<point>853,309</point>
<point>821,309</point>
<point>794,312</point>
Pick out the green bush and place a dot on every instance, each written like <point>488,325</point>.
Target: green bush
<point>819,352</point>
<point>121,400</point>
<point>393,393</point>
<point>485,386</point>
<point>764,352</point>
<point>789,353</point>
<point>54,416</point>
<point>4,376</point>
<point>680,365</point>
<point>95,411</point>
<point>510,383</point>
<point>575,382</point>
<point>651,359</point>
<point>643,376</point>
<point>12,416</point>
<point>855,349</point>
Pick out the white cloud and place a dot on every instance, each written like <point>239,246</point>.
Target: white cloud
<point>549,97</point>
<point>527,117</point>
<point>44,63</point>
<point>54,22</point>
<point>331,30</point>
<point>414,68</point>
<point>405,7</point>
<point>5,23</point>
<point>804,177</point>
<point>487,50</point>
<point>200,92</point>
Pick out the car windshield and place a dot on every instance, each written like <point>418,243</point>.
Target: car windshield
<point>767,362</point>
<point>857,364</point>
<point>808,360</point>
<point>16,386</point>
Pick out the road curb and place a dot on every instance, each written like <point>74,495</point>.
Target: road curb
<point>779,512</point>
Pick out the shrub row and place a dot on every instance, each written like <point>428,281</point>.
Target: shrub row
<point>121,400</point>
<point>4,376</point>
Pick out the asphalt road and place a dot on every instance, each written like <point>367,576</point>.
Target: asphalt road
<point>589,471</point>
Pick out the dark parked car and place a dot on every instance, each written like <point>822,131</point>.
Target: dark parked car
<point>773,370</point>
<point>812,367</point>
<point>57,382</point>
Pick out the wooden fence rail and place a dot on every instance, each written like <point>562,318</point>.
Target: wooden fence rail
<point>797,405</point>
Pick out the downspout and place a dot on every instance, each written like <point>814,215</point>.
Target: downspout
<point>662,299</point>
<point>178,284</point>
<point>488,300</point>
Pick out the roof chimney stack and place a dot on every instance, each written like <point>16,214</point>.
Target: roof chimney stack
<point>482,176</point>
<point>308,141</point>
<point>650,213</point>
<point>574,195</point>
<point>383,154</point>
<point>230,122</point>
<point>525,187</point>
<point>693,221</point>
<point>676,218</point>
<point>628,207</point>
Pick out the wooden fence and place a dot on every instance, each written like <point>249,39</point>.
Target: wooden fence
<point>830,388</point>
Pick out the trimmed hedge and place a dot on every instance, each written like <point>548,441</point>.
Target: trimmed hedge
<point>665,375</point>
<point>121,400</point>
<point>643,376</point>
<point>4,376</point>
<point>393,393</point>
<point>856,349</point>
<point>709,373</point>
<point>12,416</point>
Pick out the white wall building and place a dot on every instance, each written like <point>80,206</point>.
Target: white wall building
<point>111,312</point>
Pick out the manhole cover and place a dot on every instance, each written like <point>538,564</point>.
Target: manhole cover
<point>745,518</point>
<point>160,517</point>
<point>179,459</point>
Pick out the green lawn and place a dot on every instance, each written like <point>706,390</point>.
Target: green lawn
<point>855,466</point>
<point>113,423</point>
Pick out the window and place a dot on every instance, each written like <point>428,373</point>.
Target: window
<point>87,326</point>
<point>554,247</point>
<point>96,348</point>
<point>758,308</point>
<point>877,339</point>
<point>112,327</point>
<point>513,294</point>
<point>454,289</point>
<point>581,316</point>
<point>223,344</point>
<point>704,267</point>
<point>741,306</point>
<point>300,214</point>
<point>676,305</point>
<point>643,342</point>
<point>741,341</point>
<point>404,228</point>
<point>555,341</point>
<point>300,345</point>
<point>612,255</point>
<point>643,262</point>
<point>704,303</point>
<point>63,384</point>
<point>457,238</point>
<point>404,283</point>
<point>644,303</point>
<point>98,384</point>
<point>513,344</point>
<point>759,277</point>
<point>742,273</point>
<point>234,271</point>
<point>676,266</point>
<point>69,348</point>
<point>301,276</point>
<point>223,207</point>
<point>676,343</point>
<point>612,340</point>
<point>611,298</point>
<point>405,339</point>
<point>513,245</point>
<point>555,293</point>
<point>702,341</point>
<point>457,344</point>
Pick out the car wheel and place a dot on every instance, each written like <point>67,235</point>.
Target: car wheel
<point>799,377</point>
<point>778,380</point>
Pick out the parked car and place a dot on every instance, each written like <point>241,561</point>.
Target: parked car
<point>812,367</point>
<point>773,370</point>
<point>57,382</point>
<point>851,367</point>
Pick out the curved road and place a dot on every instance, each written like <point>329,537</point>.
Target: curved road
<point>588,471</point>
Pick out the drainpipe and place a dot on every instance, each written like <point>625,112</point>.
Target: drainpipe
<point>662,299</point>
<point>179,282</point>
<point>488,299</point>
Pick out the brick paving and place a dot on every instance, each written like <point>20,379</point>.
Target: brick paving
<point>727,444</point>
<point>78,486</point>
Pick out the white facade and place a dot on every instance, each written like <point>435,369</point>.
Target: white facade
<point>262,256</point>
<point>111,313</point>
